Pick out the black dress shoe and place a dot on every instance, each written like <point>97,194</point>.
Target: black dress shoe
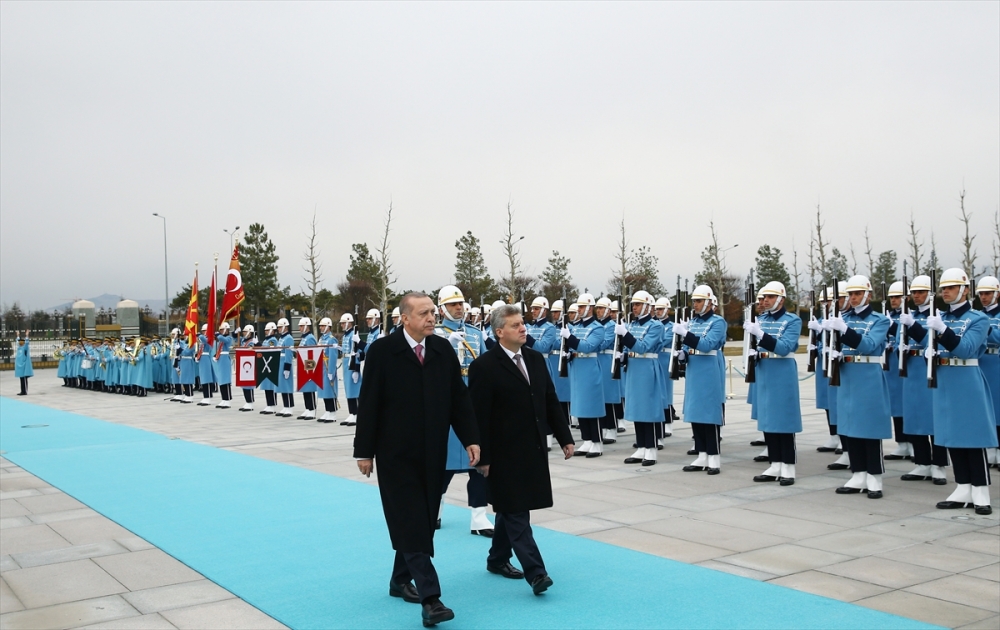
<point>761,478</point>
<point>786,481</point>
<point>846,490</point>
<point>579,453</point>
<point>541,584</point>
<point>825,449</point>
<point>635,445</point>
<point>694,468</point>
<point>406,592</point>
<point>890,457</point>
<point>692,452</point>
<point>485,533</point>
<point>758,443</point>
<point>506,569</point>
<point>548,449</point>
<point>909,477</point>
<point>952,505</point>
<point>713,471</point>
<point>762,458</point>
<point>659,447</point>
<point>633,460</point>
<point>592,454</point>
<point>984,510</point>
<point>839,451</point>
<point>438,524</point>
<point>649,462</point>
<point>836,466</point>
<point>621,429</point>
<point>874,494</point>
<point>940,481</point>
<point>608,441</point>
<point>434,612</point>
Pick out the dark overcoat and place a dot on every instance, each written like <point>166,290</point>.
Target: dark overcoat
<point>513,417</point>
<point>404,412</point>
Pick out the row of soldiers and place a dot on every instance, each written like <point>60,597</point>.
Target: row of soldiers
<point>132,366</point>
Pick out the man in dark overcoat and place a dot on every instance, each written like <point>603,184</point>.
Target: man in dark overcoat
<point>411,394</point>
<point>516,404</point>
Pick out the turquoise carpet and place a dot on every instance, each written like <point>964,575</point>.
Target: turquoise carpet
<point>312,550</point>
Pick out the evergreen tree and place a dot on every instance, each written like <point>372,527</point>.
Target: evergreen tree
<point>471,276</point>
<point>362,286</point>
<point>836,268</point>
<point>643,276</point>
<point>259,268</point>
<point>885,269</point>
<point>556,281</point>
<point>769,268</point>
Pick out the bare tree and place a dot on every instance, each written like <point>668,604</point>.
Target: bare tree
<point>868,254</point>
<point>854,259</point>
<point>969,256</point>
<point>797,297</point>
<point>996,242</point>
<point>916,254</point>
<point>313,269</point>
<point>624,259</point>
<point>812,260</point>
<point>516,284</point>
<point>385,270</point>
<point>820,244</point>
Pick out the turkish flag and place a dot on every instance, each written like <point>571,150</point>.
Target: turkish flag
<point>310,366</point>
<point>235,294</point>
<point>246,367</point>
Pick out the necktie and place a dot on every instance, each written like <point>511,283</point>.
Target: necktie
<point>520,366</point>
<point>419,349</point>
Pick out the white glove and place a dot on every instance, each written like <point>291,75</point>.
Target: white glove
<point>680,355</point>
<point>906,319</point>
<point>811,347</point>
<point>356,338</point>
<point>815,326</point>
<point>288,374</point>
<point>753,328</point>
<point>936,324</point>
<point>564,332</point>
<point>751,353</point>
<point>620,329</point>
<point>929,353</point>
<point>837,323</point>
<point>835,354</point>
<point>355,376</point>
<point>681,329</point>
<point>331,377</point>
<point>457,336</point>
<point>905,347</point>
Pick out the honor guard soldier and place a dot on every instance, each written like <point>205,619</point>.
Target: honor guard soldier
<point>286,382</point>
<point>352,367</point>
<point>776,394</point>
<point>270,388</point>
<point>822,384</point>
<point>173,363</point>
<point>249,340</point>
<point>844,461</point>
<point>206,377</point>
<point>188,368</point>
<point>964,419</point>
<point>612,388</point>
<point>561,383</point>
<point>703,337</point>
<point>374,320</point>
<point>918,407</point>
<point>306,339</point>
<point>904,449</point>
<point>586,337</point>
<point>643,337</point>
<point>395,320</point>
<point>23,369</point>
<point>222,365</point>
<point>863,395</point>
<point>619,406</point>
<point>542,337</point>
<point>468,343</point>
<point>329,392</point>
<point>662,313</point>
<point>989,296</point>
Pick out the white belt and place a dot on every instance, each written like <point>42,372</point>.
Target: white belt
<point>188,358</point>
<point>607,351</point>
<point>993,351</point>
<point>861,358</point>
<point>555,353</point>
<point>772,355</point>
<point>646,355</point>
<point>223,354</point>
<point>586,355</point>
<point>707,353</point>
<point>957,362</point>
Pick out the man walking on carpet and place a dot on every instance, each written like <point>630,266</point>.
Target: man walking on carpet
<point>411,394</point>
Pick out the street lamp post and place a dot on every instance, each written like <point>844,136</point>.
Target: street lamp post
<point>231,234</point>
<point>722,265</point>
<point>166,283</point>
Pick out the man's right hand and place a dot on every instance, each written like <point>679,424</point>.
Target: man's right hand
<point>366,466</point>
<point>568,450</point>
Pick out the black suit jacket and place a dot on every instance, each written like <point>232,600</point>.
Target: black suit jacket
<point>404,412</point>
<point>513,417</point>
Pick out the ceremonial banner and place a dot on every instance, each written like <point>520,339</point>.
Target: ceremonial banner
<point>310,366</point>
<point>191,319</point>
<point>266,365</point>
<point>246,367</point>
<point>210,334</point>
<point>234,296</point>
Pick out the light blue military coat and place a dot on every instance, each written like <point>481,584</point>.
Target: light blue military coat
<point>704,391</point>
<point>271,341</point>
<point>308,339</point>
<point>544,337</point>
<point>562,385</point>
<point>286,385</point>
<point>989,363</point>
<point>863,395</point>
<point>644,386</point>
<point>665,349</point>
<point>892,378</point>
<point>351,389</point>
<point>223,367</point>
<point>188,367</point>
<point>467,351</point>
<point>205,373</point>
<point>612,388</point>
<point>329,365</point>
<point>963,405</point>
<point>22,359</point>
<point>918,407</point>
<point>586,381</point>
<point>776,395</point>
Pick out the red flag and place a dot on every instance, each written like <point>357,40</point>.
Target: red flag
<point>310,366</point>
<point>246,367</point>
<point>191,319</point>
<point>234,296</point>
<point>211,312</point>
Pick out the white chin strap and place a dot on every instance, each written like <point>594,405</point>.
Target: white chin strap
<point>644,311</point>
<point>992,301</point>
<point>704,307</point>
<point>448,315</point>
<point>959,298</point>
<point>777,305</point>
<point>584,311</point>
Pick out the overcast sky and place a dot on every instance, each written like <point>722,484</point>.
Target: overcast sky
<point>218,115</point>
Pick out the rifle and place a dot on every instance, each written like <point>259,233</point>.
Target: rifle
<point>835,344</point>
<point>563,363</point>
<point>750,356</point>
<point>813,350</point>
<point>932,341</point>
<point>675,369</point>
<point>354,365</point>
<point>904,336</point>
<point>888,342</point>
<point>616,362</point>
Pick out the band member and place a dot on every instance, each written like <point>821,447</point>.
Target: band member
<point>643,337</point>
<point>586,337</point>
<point>329,392</point>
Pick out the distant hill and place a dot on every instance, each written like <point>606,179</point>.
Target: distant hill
<point>110,301</point>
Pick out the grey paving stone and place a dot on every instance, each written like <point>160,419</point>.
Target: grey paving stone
<point>938,556</point>
<point>68,554</point>
<point>63,515</point>
<point>961,589</point>
<point>134,543</point>
<point>177,596</point>
<point>579,525</point>
<point>857,542</point>
<point>15,521</point>
<point>711,534</point>
<point>19,494</point>
<point>144,622</point>
<point>734,569</point>
<point>11,508</point>
<point>920,528</point>
<point>989,572</point>
<point>785,526</point>
<point>12,482</point>
<point>927,609</point>
<point>797,507</point>
<point>8,600</point>
<point>60,583</point>
<point>146,569</point>
<point>990,623</point>
<point>30,538</point>
<point>7,564</point>
<point>884,572</point>
<point>977,542</point>
<point>232,614</point>
<point>704,502</point>
<point>638,514</point>
<point>89,530</point>
<point>655,544</point>
<point>68,615</point>
<point>50,503</point>
<point>610,494</point>
<point>785,559</point>
<point>833,586</point>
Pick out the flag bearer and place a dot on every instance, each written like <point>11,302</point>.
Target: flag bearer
<point>222,365</point>
<point>248,340</point>
<point>269,387</point>
<point>306,338</point>
<point>205,358</point>
<point>286,382</point>
<point>329,392</point>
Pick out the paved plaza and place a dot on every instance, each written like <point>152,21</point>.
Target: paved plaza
<point>63,565</point>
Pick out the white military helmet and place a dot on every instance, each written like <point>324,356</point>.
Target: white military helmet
<point>585,299</point>
<point>204,328</point>
<point>604,302</point>
<point>773,288</point>
<point>486,309</point>
<point>841,288</point>
<point>476,313</point>
<point>466,307</point>
<point>859,283</point>
<point>373,313</point>
<point>920,283</point>
<point>248,330</point>
<point>450,294</point>
<point>175,331</point>
<point>987,283</point>
<point>954,277</point>
<point>540,302</point>
<point>269,326</point>
<point>497,304</point>
<point>395,312</point>
<point>305,321</point>
<point>614,306</point>
<point>224,326</point>
<point>647,301</point>
<point>703,292</point>
<point>557,306</point>
<point>663,302</point>
<point>282,323</point>
<point>347,318</point>
<point>573,308</point>
<point>895,289</point>
<point>326,321</point>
